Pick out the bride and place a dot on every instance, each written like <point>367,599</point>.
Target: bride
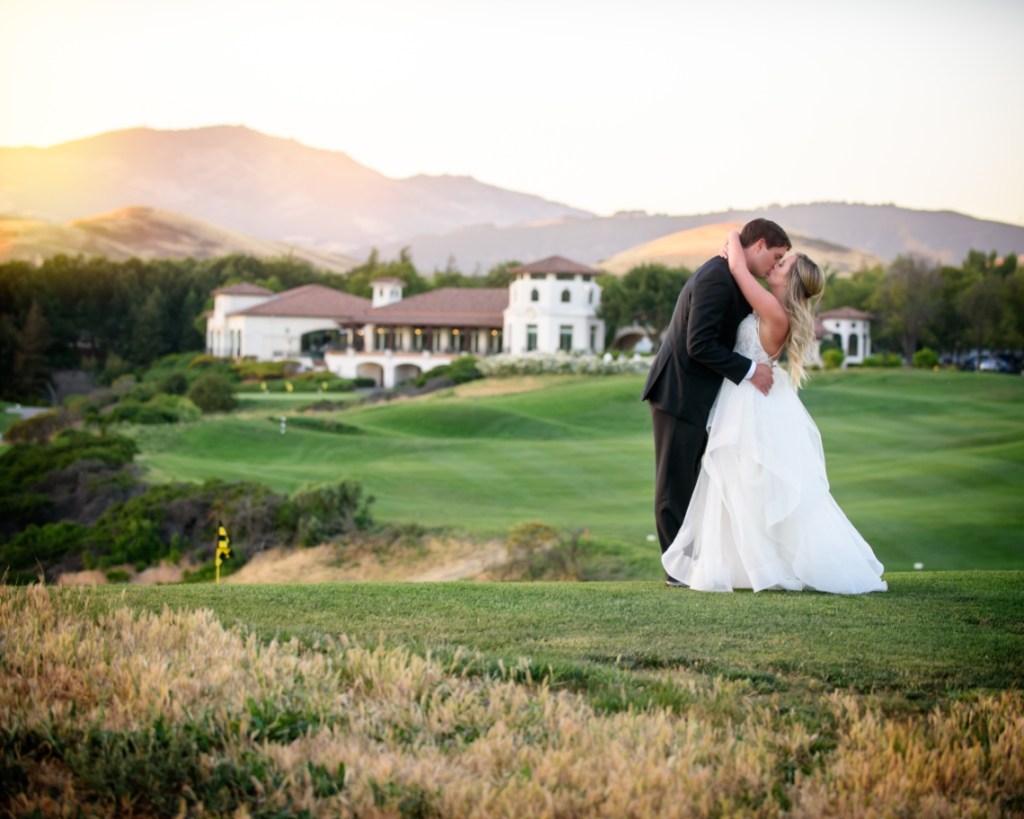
<point>761,515</point>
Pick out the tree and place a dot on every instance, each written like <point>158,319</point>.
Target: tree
<point>147,341</point>
<point>501,274</point>
<point>981,306</point>
<point>31,370</point>
<point>910,300</point>
<point>646,295</point>
<point>359,280</point>
<point>857,290</point>
<point>213,393</point>
<point>986,302</point>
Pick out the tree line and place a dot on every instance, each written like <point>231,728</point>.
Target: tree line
<point>117,317</point>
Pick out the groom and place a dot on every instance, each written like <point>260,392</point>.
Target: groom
<point>696,354</point>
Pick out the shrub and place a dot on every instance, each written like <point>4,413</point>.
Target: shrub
<point>204,361</point>
<point>170,519</point>
<point>884,360</point>
<point>39,547</point>
<point>538,551</point>
<point>213,393</point>
<point>262,370</point>
<point>326,511</point>
<point>832,359</point>
<point>28,470</point>
<point>174,383</point>
<point>160,409</point>
<point>38,429</point>
<point>26,463</point>
<point>926,359</point>
<point>462,369</point>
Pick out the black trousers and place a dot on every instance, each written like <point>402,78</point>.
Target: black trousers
<point>678,449</point>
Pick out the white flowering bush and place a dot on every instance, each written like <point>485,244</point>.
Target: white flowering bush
<point>563,364</point>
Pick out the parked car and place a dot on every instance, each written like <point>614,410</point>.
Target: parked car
<point>986,363</point>
<point>994,365</point>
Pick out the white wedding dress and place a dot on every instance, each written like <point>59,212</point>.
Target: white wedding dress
<point>762,516</point>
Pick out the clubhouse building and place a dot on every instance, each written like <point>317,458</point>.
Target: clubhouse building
<point>550,306</point>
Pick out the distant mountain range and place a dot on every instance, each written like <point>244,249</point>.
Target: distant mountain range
<point>146,233</point>
<point>250,188</point>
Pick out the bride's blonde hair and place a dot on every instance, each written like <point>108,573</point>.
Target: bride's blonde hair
<point>803,290</point>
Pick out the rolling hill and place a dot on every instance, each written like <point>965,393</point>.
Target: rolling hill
<point>691,248</point>
<point>145,233</point>
<point>259,185</point>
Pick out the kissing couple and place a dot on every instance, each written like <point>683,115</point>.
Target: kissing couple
<point>741,497</point>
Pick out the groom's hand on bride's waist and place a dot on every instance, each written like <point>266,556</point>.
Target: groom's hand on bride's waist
<point>762,378</point>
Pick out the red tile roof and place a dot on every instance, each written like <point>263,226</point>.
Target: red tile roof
<point>446,307</point>
<point>313,301</point>
<point>847,313</point>
<point>555,264</point>
<point>243,289</point>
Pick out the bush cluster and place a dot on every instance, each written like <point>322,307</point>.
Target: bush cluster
<point>462,369</point>
<point>832,359</point>
<point>884,360</point>
<point>77,503</point>
<point>539,551</point>
<point>926,359</point>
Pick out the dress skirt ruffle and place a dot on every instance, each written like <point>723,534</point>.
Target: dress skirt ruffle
<point>761,515</point>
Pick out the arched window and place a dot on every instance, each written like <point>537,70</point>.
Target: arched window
<point>534,295</point>
<point>852,348</point>
<point>566,296</point>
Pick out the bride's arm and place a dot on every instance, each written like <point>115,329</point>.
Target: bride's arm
<point>763,302</point>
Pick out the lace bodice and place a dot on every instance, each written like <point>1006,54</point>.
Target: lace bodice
<point>748,342</point>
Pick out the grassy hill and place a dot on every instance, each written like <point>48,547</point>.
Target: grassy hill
<point>928,465</point>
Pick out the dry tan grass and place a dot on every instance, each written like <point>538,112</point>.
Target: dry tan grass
<point>505,386</point>
<point>433,559</point>
<point>163,573</point>
<point>413,728</point>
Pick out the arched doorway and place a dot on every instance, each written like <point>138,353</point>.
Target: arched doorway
<point>406,372</point>
<point>370,370</point>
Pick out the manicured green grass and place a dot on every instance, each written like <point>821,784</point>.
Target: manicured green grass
<point>931,635</point>
<point>928,465</point>
<point>290,401</point>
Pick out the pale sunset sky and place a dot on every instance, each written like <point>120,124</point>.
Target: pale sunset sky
<point>668,106</point>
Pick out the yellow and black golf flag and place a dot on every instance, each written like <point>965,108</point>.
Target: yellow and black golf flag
<point>223,547</point>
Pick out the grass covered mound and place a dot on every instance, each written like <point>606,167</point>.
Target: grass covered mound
<point>117,711</point>
<point>929,466</point>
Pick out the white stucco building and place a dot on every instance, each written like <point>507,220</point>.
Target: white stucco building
<point>851,328</point>
<point>550,306</point>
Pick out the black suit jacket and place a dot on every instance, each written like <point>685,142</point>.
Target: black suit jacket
<point>697,348</point>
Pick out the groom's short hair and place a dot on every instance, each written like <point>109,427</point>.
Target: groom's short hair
<point>773,235</point>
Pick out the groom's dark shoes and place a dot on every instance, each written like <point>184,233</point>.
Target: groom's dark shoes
<point>673,583</point>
